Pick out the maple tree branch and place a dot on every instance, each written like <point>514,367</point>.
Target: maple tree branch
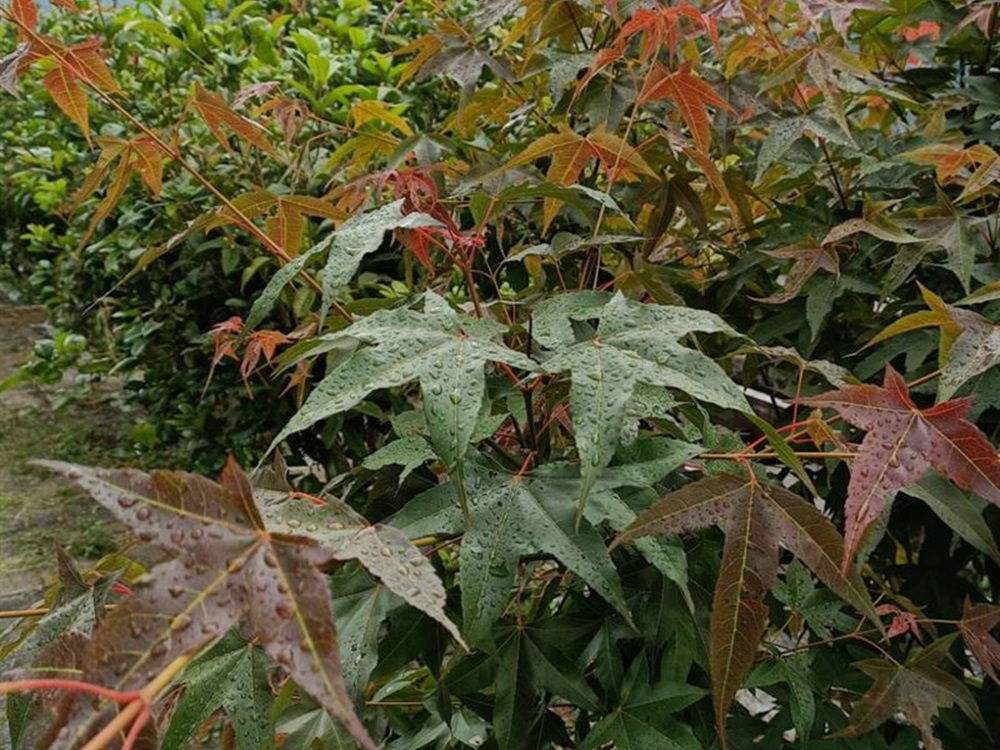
<point>43,683</point>
<point>138,710</point>
<point>925,379</point>
<point>612,174</point>
<point>138,703</point>
<point>859,634</point>
<point>741,456</point>
<point>13,614</point>
<point>841,196</point>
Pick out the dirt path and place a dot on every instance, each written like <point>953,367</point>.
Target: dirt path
<point>37,509</point>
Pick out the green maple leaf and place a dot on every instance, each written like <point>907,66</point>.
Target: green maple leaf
<point>511,516</point>
<point>758,520</point>
<point>527,666</point>
<point>642,719</point>
<point>385,552</point>
<point>956,234</point>
<point>444,350</point>
<point>232,675</point>
<point>632,344</point>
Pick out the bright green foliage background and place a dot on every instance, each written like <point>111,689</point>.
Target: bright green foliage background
<point>567,237</point>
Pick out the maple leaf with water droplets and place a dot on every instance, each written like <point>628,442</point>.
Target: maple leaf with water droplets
<point>226,568</point>
<point>902,443</point>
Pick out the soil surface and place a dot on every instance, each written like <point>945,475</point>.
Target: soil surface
<point>37,508</point>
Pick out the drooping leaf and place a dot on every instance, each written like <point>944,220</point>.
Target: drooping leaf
<point>388,554</point>
<point>69,97</point>
<point>978,620</point>
<point>901,444</point>
<point>634,343</point>
<point>384,551</point>
<point>86,62</point>
<point>917,689</point>
<point>266,300</point>
<point>119,158</point>
<point>227,567</point>
<point>758,519</point>
<point>405,346</point>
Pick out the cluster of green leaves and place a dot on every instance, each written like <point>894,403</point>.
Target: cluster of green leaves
<point>556,292</point>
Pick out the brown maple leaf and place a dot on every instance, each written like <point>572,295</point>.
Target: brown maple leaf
<point>10,66</point>
<point>758,520</point>
<point>917,689</point>
<point>902,443</point>
<point>809,257</point>
<point>976,623</point>
<point>227,568</point>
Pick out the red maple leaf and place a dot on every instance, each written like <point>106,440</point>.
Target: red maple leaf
<point>224,336</point>
<point>260,342</point>
<point>691,96</point>
<point>902,443</point>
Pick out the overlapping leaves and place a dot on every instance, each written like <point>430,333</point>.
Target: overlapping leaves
<point>969,343</point>
<point>918,689</point>
<point>446,351</point>
<point>229,568</point>
<point>511,516</point>
<point>633,343</point>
